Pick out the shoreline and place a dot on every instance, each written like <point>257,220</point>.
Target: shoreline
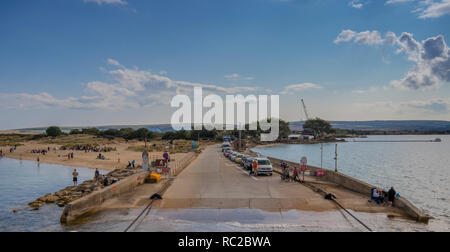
<point>117,159</point>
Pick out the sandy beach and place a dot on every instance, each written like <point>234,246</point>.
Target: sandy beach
<point>114,160</point>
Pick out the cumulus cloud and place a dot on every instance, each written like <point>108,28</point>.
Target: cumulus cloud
<point>432,56</point>
<point>129,88</point>
<point>299,87</point>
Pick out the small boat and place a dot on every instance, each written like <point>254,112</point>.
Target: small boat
<point>438,140</point>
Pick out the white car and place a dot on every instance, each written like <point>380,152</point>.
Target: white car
<point>264,166</point>
<point>238,158</point>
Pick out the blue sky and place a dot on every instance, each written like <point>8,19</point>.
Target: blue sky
<point>94,62</point>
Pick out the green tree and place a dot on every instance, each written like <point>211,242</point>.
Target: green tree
<point>53,131</point>
<point>285,129</point>
<point>318,126</point>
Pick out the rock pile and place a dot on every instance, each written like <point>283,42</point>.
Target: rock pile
<point>72,193</point>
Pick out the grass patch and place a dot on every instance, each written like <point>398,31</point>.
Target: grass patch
<point>78,140</point>
<point>14,139</point>
<point>178,146</point>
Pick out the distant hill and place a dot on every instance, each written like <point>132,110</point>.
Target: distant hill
<point>385,125</point>
<point>160,128</point>
<point>348,125</point>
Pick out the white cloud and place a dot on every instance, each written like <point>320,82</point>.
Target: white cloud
<point>365,37</point>
<point>299,87</point>
<point>432,56</point>
<point>101,2</point>
<point>427,8</point>
<point>131,88</point>
<point>237,77</point>
<point>397,1</point>
<point>357,4</point>
<point>114,62</point>
<point>435,9</point>
<point>345,36</point>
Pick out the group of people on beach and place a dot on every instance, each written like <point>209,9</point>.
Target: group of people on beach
<point>87,149</point>
<point>43,152</point>
<point>12,149</point>
<point>70,155</point>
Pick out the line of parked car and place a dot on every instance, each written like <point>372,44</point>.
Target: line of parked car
<point>264,166</point>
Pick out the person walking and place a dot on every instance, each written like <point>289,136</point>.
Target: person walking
<point>75,177</point>
<point>71,155</point>
<point>255,168</point>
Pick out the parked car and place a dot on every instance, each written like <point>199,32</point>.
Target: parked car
<point>226,146</point>
<point>243,160</point>
<point>232,155</point>
<point>228,153</point>
<point>238,158</point>
<point>224,149</point>
<point>264,166</point>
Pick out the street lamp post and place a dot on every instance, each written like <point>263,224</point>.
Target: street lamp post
<point>321,156</point>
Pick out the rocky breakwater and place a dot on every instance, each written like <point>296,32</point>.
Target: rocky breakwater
<point>72,193</point>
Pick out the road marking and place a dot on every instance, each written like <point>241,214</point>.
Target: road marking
<point>237,167</point>
<point>246,173</point>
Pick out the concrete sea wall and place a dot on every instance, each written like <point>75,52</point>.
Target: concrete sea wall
<point>359,187</point>
<point>93,202</point>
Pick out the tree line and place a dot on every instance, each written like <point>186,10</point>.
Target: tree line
<point>143,133</point>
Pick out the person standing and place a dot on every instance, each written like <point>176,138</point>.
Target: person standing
<point>133,163</point>
<point>75,177</point>
<point>97,174</point>
<point>71,155</point>
<point>391,195</point>
<point>295,174</point>
<point>255,167</point>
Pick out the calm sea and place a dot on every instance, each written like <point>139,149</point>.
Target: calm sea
<point>24,181</point>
